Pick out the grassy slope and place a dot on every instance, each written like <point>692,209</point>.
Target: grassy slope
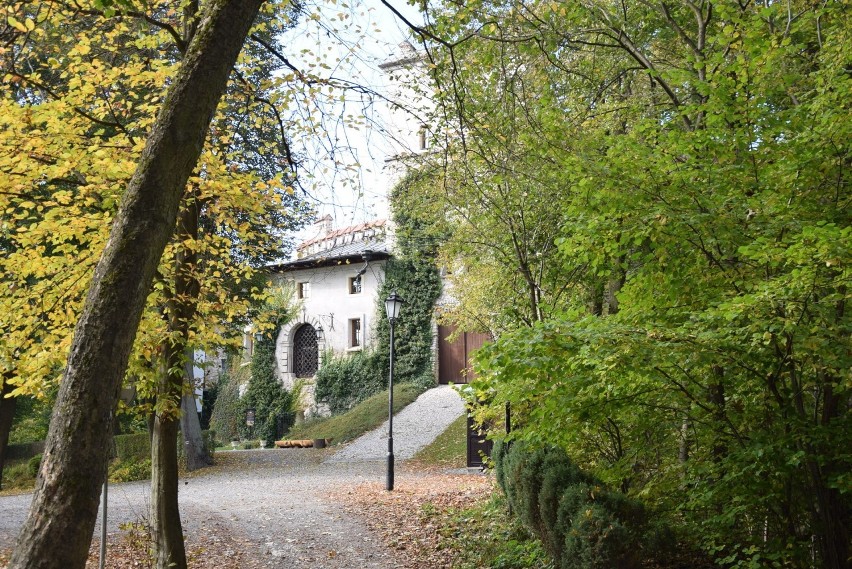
<point>364,417</point>
<point>449,449</point>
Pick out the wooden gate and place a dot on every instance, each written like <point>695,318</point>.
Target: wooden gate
<point>454,357</point>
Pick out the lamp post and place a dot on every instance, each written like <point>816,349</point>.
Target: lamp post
<point>250,422</point>
<point>126,395</point>
<point>393,304</point>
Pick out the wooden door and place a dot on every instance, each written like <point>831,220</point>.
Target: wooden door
<point>454,357</point>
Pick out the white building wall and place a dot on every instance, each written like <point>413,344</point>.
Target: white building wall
<point>329,304</point>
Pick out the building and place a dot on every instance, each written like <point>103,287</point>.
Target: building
<point>336,279</point>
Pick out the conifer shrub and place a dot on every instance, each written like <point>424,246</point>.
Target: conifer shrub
<point>581,523</point>
<point>33,464</point>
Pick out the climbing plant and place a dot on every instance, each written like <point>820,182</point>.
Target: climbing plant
<point>265,394</point>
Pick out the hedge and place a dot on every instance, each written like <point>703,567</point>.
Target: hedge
<point>129,447</point>
<point>24,450</point>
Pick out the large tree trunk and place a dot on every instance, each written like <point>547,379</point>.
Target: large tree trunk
<point>7,414</point>
<point>58,530</point>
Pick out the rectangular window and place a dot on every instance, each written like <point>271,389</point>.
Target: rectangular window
<point>422,138</point>
<point>355,333</point>
<point>355,285</point>
<point>303,290</point>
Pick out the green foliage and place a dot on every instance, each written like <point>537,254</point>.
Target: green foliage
<point>33,465</point>
<point>413,275</point>
<point>24,450</point>
<point>32,417</point>
<point>486,536</point>
<point>580,522</point>
<point>682,193</point>
<point>130,469</point>
<point>229,413</point>
<point>265,394</point>
<point>209,438</point>
<point>363,417</point>
<point>132,447</point>
<point>344,381</point>
<point>16,475</point>
<point>417,281</point>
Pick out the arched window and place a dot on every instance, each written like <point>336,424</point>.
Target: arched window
<point>305,351</point>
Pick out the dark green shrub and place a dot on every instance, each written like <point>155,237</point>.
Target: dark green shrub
<point>229,413</point>
<point>598,540</point>
<point>265,394</point>
<point>209,438</point>
<point>24,450</point>
<point>581,523</point>
<point>498,457</point>
<point>558,475</point>
<point>33,464</point>
<point>132,447</point>
<point>344,381</point>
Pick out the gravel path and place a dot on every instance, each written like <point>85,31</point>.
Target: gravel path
<point>413,428</point>
<point>280,504</point>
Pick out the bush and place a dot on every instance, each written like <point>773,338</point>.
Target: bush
<point>265,394</point>
<point>210,444</point>
<point>130,470</point>
<point>132,447</point>
<point>33,464</point>
<point>229,413</point>
<point>581,523</point>
<point>345,381</point>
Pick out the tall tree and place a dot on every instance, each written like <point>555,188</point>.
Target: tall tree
<point>60,524</point>
<point>700,163</point>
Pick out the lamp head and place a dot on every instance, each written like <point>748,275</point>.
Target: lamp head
<point>393,305</point>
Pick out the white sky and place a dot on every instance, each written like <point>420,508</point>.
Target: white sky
<point>367,33</point>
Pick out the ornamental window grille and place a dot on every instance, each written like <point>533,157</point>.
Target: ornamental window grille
<point>305,351</point>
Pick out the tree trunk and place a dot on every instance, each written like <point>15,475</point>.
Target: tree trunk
<point>166,529</point>
<point>196,455</point>
<point>58,530</point>
<point>7,415</point>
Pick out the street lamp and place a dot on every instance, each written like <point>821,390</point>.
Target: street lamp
<point>393,304</point>
<point>127,394</point>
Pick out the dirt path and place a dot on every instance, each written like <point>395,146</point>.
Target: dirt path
<point>263,508</point>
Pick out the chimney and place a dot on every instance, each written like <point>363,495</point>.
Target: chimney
<point>326,224</point>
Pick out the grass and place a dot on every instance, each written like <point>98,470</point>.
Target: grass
<point>364,417</point>
<point>17,477</point>
<point>486,536</point>
<point>449,449</point>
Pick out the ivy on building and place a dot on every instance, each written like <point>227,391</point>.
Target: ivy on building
<point>412,274</point>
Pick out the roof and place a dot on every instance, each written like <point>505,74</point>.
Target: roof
<point>334,235</point>
<point>340,247</point>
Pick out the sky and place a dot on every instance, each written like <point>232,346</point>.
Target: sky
<point>343,168</point>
